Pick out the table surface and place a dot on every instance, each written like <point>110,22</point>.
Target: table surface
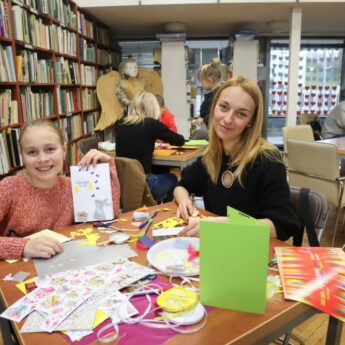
<point>338,142</point>
<point>223,326</point>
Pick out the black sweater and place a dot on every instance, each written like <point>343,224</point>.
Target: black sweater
<point>138,140</point>
<point>266,193</point>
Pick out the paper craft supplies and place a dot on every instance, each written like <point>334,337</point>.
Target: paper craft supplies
<point>171,222</point>
<point>91,190</point>
<point>233,263</point>
<point>161,234</point>
<point>315,276</point>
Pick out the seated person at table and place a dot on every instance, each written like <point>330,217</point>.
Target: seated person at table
<point>136,135</point>
<point>38,197</point>
<point>239,168</point>
<point>166,116</point>
<point>334,125</point>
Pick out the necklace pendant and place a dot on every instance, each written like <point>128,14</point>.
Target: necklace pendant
<point>227,179</point>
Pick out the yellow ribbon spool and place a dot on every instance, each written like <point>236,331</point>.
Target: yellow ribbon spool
<point>177,299</point>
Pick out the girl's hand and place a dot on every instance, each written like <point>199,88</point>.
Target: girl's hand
<point>185,209</point>
<point>42,247</point>
<point>93,157</point>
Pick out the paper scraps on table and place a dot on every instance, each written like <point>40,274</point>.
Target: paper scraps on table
<point>171,222</point>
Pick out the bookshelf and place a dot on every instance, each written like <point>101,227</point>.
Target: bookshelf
<point>51,54</point>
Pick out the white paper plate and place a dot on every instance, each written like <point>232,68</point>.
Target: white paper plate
<point>171,256</point>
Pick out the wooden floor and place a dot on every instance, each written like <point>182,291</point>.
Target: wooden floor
<point>314,330</point>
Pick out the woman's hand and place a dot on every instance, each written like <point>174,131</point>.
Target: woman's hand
<point>185,209</point>
<point>193,227</point>
<point>93,157</point>
<point>42,247</point>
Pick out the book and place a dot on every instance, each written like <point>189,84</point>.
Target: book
<point>315,276</point>
<point>92,194</point>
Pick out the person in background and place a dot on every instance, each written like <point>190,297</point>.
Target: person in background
<point>210,78</point>
<point>39,197</point>
<point>136,135</point>
<point>166,116</point>
<point>239,168</point>
<point>334,125</point>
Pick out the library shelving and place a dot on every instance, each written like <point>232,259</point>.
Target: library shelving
<point>51,54</point>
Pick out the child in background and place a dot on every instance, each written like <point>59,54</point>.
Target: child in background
<point>38,198</point>
<point>166,116</point>
<point>210,78</point>
<point>136,135</point>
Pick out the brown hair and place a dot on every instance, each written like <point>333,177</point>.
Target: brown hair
<point>250,144</point>
<point>210,71</point>
<point>40,123</point>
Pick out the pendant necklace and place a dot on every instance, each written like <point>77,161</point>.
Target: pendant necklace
<point>227,179</point>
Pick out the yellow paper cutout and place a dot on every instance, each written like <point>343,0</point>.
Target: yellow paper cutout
<point>76,188</point>
<point>81,232</point>
<point>21,286</point>
<point>99,318</point>
<point>90,185</point>
<point>122,219</point>
<point>169,223</point>
<point>91,239</point>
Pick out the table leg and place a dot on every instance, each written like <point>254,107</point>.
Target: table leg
<point>335,327</point>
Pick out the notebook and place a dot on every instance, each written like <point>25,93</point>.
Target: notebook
<point>233,263</point>
<point>92,195</point>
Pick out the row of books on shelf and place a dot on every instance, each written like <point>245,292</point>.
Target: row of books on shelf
<point>36,104</point>
<point>7,73</point>
<point>85,26</point>
<point>5,24</point>
<point>87,50</point>
<point>8,108</point>
<point>89,98</point>
<point>9,151</point>
<point>66,71</point>
<point>71,127</point>
<point>59,10</point>
<point>90,121</point>
<point>68,100</point>
<point>103,57</point>
<point>30,68</point>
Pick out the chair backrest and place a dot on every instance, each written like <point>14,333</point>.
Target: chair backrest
<point>134,189</point>
<point>318,211</point>
<point>299,132</point>
<point>314,165</point>
<point>86,144</point>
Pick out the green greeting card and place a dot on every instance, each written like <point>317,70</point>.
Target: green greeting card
<point>233,263</point>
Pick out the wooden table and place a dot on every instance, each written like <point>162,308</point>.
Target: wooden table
<point>187,157</point>
<point>223,326</point>
<point>339,143</point>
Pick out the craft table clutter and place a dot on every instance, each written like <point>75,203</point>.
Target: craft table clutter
<point>122,296</point>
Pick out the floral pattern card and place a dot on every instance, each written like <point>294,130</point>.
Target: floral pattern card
<point>92,194</point>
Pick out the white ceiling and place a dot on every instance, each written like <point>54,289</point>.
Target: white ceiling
<point>214,20</point>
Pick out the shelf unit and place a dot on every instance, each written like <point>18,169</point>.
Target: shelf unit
<point>51,54</point>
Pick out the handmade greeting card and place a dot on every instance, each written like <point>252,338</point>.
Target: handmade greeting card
<point>92,198</point>
<point>233,263</point>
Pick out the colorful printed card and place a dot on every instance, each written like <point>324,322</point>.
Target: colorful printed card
<point>315,276</point>
<point>92,196</point>
<point>233,263</point>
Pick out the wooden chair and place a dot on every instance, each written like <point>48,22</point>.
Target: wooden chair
<point>314,165</point>
<point>134,189</point>
<point>86,144</point>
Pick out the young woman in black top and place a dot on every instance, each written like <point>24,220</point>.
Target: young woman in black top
<point>239,168</point>
<point>136,135</point>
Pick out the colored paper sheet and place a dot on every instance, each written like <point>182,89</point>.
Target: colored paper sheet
<point>233,263</point>
<point>196,142</point>
<point>315,276</point>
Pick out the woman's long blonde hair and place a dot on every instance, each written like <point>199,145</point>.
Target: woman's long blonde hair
<point>250,144</point>
<point>144,105</point>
